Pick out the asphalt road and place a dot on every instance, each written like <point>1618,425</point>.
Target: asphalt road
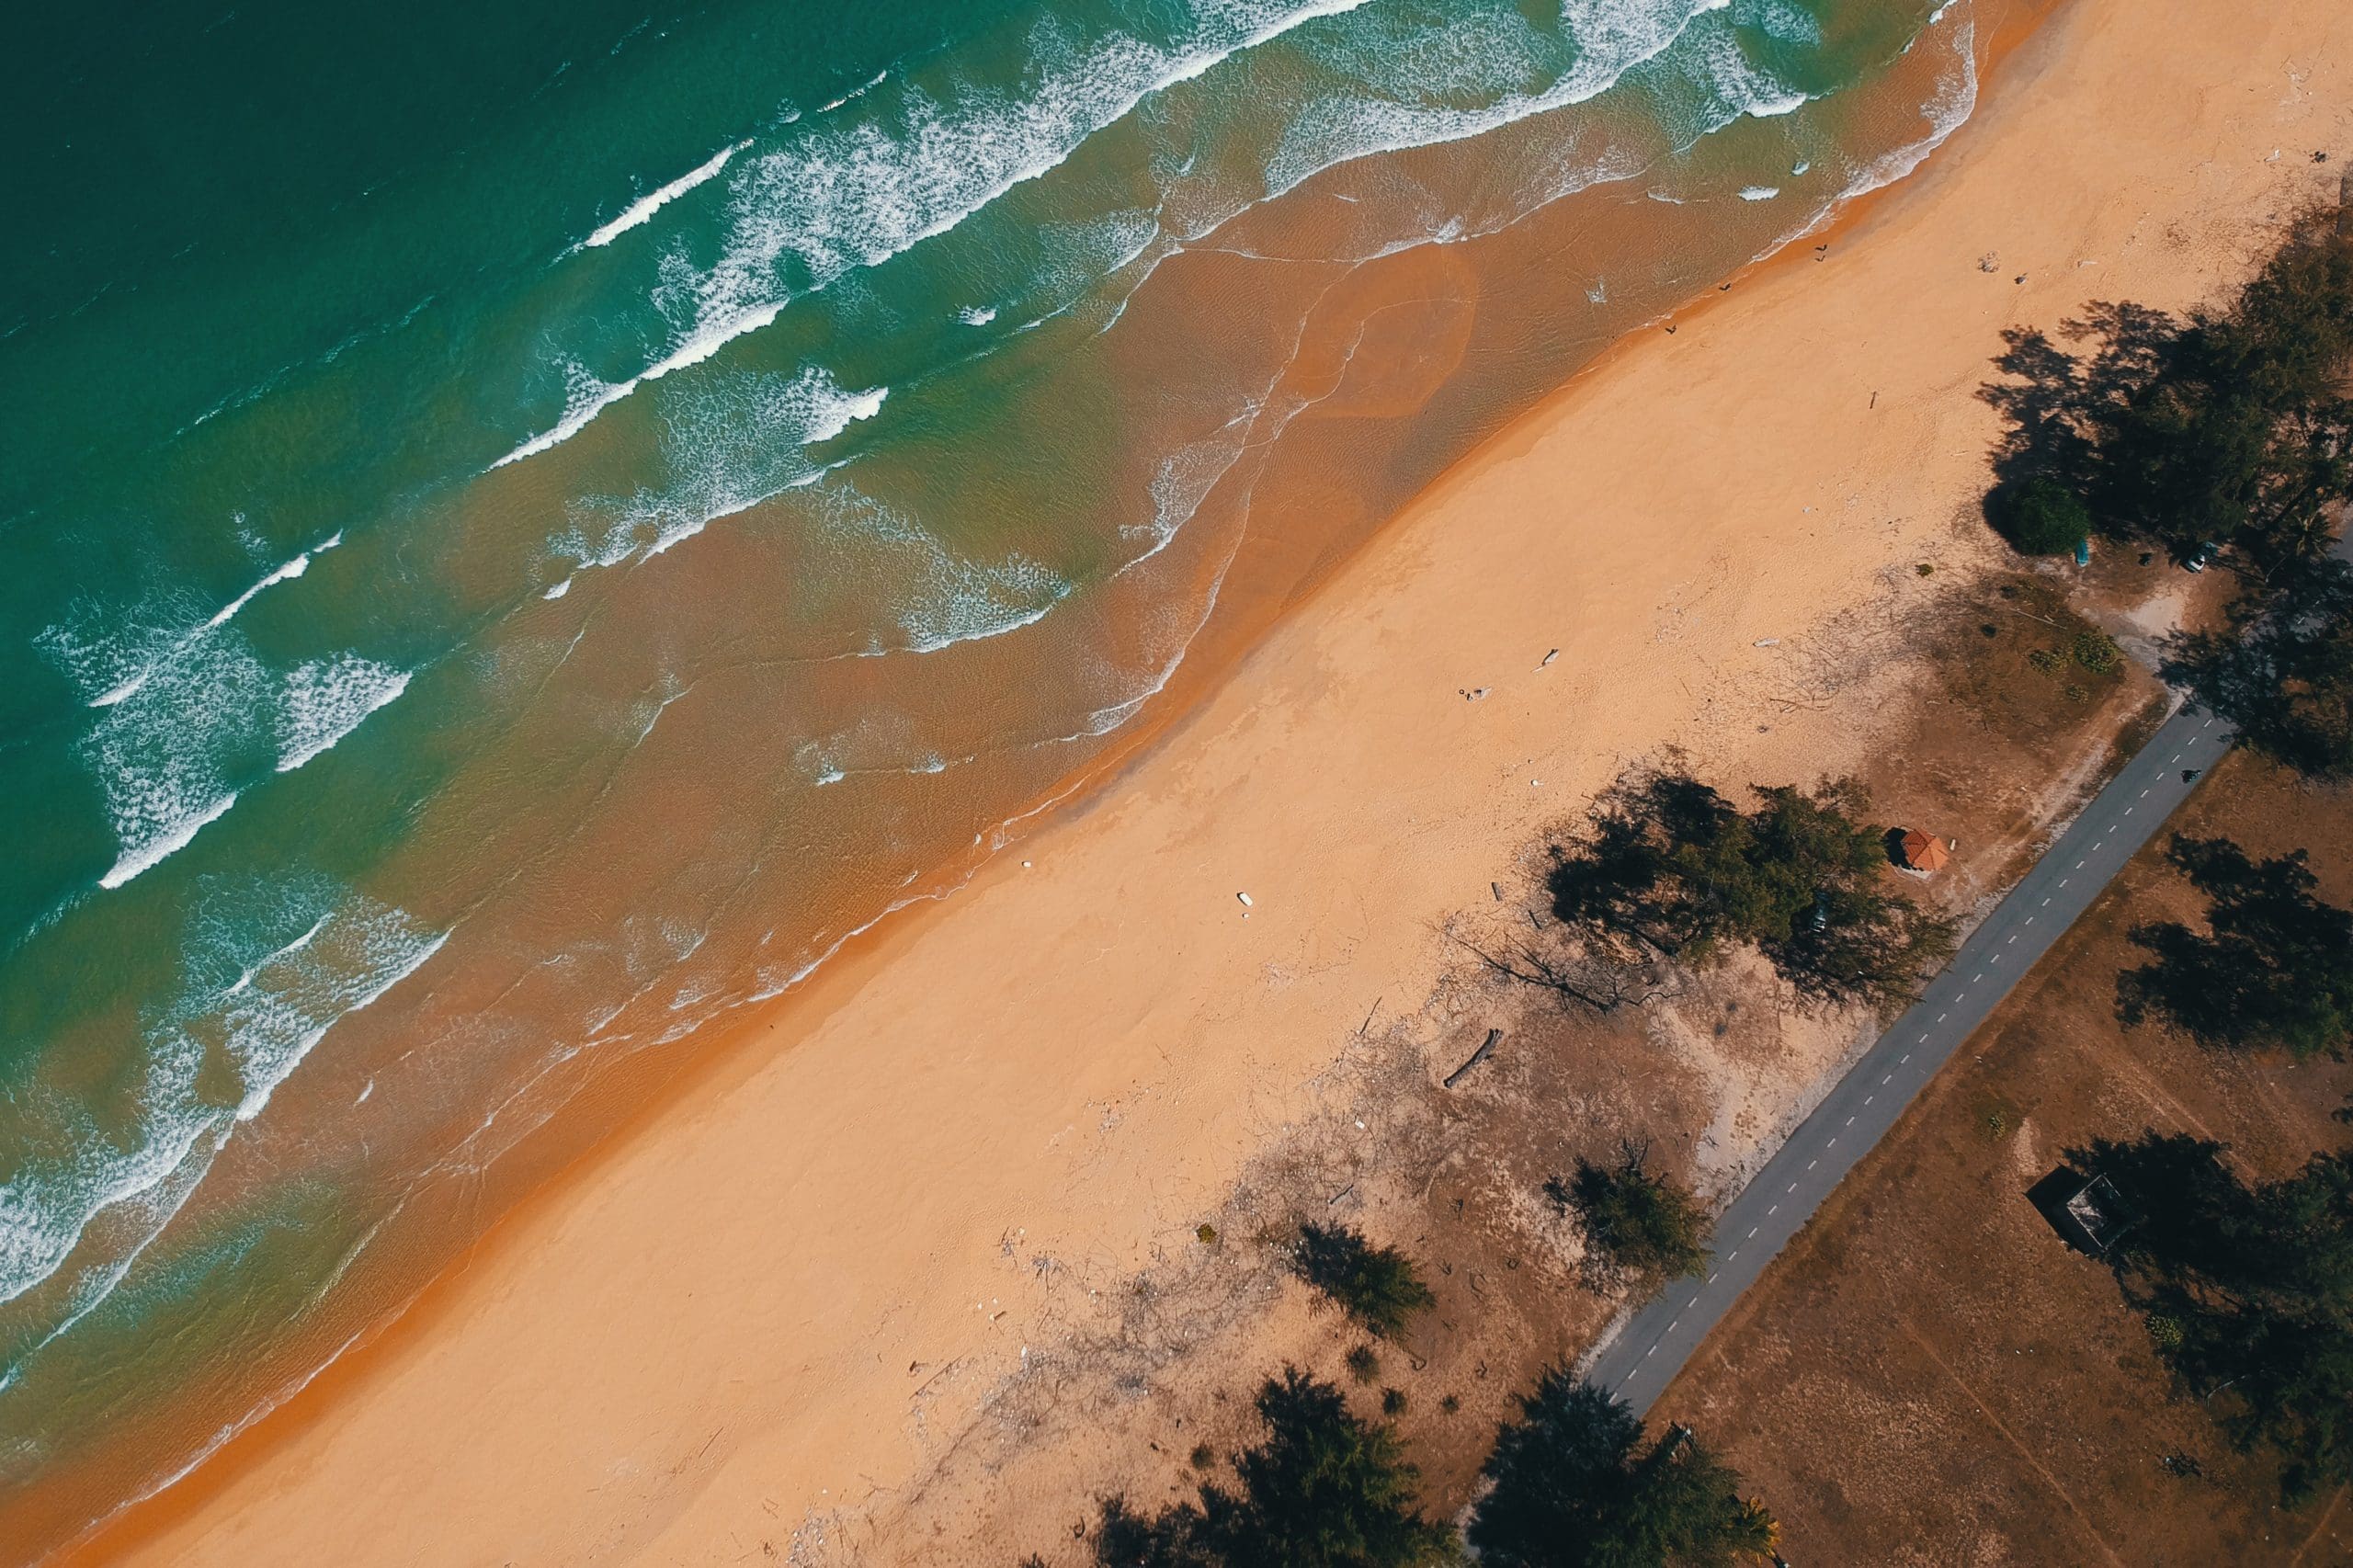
<point>1643,1357</point>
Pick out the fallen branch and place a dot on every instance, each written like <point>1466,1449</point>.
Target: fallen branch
<point>1477,1056</point>
<point>1609,990</point>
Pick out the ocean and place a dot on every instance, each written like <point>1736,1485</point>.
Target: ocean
<point>529,527</point>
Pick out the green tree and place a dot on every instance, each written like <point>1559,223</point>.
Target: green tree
<point>2247,1292</point>
<point>1574,1487</point>
<point>1321,1490</point>
<point>2281,671</point>
<point>2230,424</point>
<point>2273,968</point>
<point>2048,518</point>
<point>1669,866</point>
<point>1379,1287</point>
<point>1644,1228</point>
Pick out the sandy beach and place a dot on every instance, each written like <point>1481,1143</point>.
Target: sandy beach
<point>770,1306</point>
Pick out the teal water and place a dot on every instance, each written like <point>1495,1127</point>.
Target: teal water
<point>525,530</point>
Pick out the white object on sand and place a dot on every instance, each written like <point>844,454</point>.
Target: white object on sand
<point>1244,898</point>
<point>1768,642</point>
<point>1550,657</point>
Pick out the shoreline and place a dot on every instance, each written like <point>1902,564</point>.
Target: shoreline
<point>657,1087</point>
<point>685,1093</point>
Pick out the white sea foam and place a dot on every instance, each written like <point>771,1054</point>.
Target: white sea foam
<point>1759,192</point>
<point>977,315</point>
<point>727,447</point>
<point>559,590</point>
<point>161,756</point>
<point>146,667</point>
<point>326,700</point>
<point>1955,101</point>
<point>172,837</point>
<point>945,598</point>
<point>1612,36</point>
<point>170,756</point>
<point>852,193</point>
<point>646,206</point>
<point>275,1027</point>
<point>856,93</point>
<point>843,412</point>
<point>345,952</point>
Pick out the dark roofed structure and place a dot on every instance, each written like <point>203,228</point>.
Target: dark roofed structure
<point>2087,1211</point>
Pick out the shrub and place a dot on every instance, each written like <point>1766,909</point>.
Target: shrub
<point>1322,1490</point>
<point>2096,651</point>
<point>1376,1285</point>
<point>2047,518</point>
<point>1575,1487</point>
<point>1643,1227</point>
<point>1363,1364</point>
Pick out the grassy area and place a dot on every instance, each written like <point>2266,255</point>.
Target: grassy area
<point>1930,1376</point>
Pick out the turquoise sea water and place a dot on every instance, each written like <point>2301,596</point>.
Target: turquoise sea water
<point>528,525</point>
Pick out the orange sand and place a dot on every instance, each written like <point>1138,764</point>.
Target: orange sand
<point>706,1334</point>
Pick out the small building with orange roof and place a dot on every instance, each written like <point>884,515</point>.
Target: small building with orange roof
<point>1924,852</point>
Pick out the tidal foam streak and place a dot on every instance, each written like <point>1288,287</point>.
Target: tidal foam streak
<point>854,195</point>
<point>264,1022</point>
<point>646,206</point>
<point>226,613</point>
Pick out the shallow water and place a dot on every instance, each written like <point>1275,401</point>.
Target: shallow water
<point>526,531</point>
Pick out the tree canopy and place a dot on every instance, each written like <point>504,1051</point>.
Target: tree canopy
<point>2048,518</point>
<point>2247,1291</point>
<point>1379,1287</point>
<point>2281,671</point>
<point>2230,424</point>
<point>1321,1490</point>
<point>1575,1487</point>
<point>1669,866</point>
<point>2273,968</point>
<point>1641,1227</point>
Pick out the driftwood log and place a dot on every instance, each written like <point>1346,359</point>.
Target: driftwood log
<point>1484,1051</point>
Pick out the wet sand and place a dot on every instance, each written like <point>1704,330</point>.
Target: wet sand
<point>786,1284</point>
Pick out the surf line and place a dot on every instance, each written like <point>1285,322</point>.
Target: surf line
<point>287,573</point>
<point>646,206</point>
